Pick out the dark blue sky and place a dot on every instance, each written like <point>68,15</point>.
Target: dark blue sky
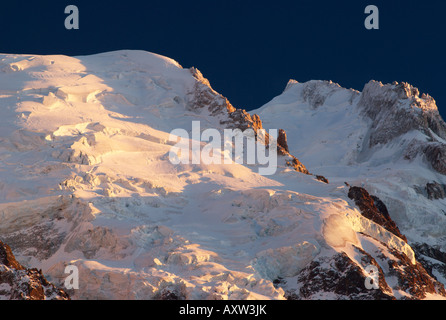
<point>249,49</point>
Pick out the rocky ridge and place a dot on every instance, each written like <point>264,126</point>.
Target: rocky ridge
<point>150,229</point>
<point>20,283</point>
<point>392,133</point>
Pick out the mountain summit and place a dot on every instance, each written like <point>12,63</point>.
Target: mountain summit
<point>86,181</point>
<point>388,139</point>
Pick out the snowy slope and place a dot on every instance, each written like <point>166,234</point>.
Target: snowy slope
<point>382,139</point>
<point>85,179</point>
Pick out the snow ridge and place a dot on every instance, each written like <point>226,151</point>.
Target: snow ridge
<point>387,139</point>
<point>86,181</point>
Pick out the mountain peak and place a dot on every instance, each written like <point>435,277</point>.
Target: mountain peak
<point>319,92</point>
<point>396,109</point>
<point>86,181</point>
<point>403,95</point>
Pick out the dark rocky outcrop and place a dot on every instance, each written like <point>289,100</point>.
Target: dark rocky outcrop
<point>374,209</point>
<point>20,283</point>
<point>433,151</point>
<point>398,108</point>
<point>432,258</point>
<point>316,92</point>
<point>435,190</point>
<point>292,161</point>
<point>7,258</point>
<point>413,278</point>
<point>435,154</point>
<point>430,251</point>
<point>282,143</point>
<point>322,178</point>
<point>431,190</point>
<point>169,295</point>
<point>340,278</point>
<point>204,97</point>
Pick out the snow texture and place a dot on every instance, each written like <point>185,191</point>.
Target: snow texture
<point>85,179</point>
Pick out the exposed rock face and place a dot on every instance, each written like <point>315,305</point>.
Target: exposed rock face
<point>435,154</point>
<point>435,191</point>
<point>339,277</point>
<point>374,209</point>
<point>322,178</point>
<point>432,258</point>
<point>7,257</point>
<point>430,251</point>
<point>240,119</point>
<point>316,92</point>
<point>204,97</point>
<point>396,109</point>
<point>393,125</point>
<point>41,240</point>
<point>413,279</point>
<point>19,283</point>
<point>282,142</point>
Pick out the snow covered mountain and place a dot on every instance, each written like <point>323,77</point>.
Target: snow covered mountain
<point>388,139</point>
<point>86,180</point>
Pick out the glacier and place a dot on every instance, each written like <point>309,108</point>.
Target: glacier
<point>85,180</point>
